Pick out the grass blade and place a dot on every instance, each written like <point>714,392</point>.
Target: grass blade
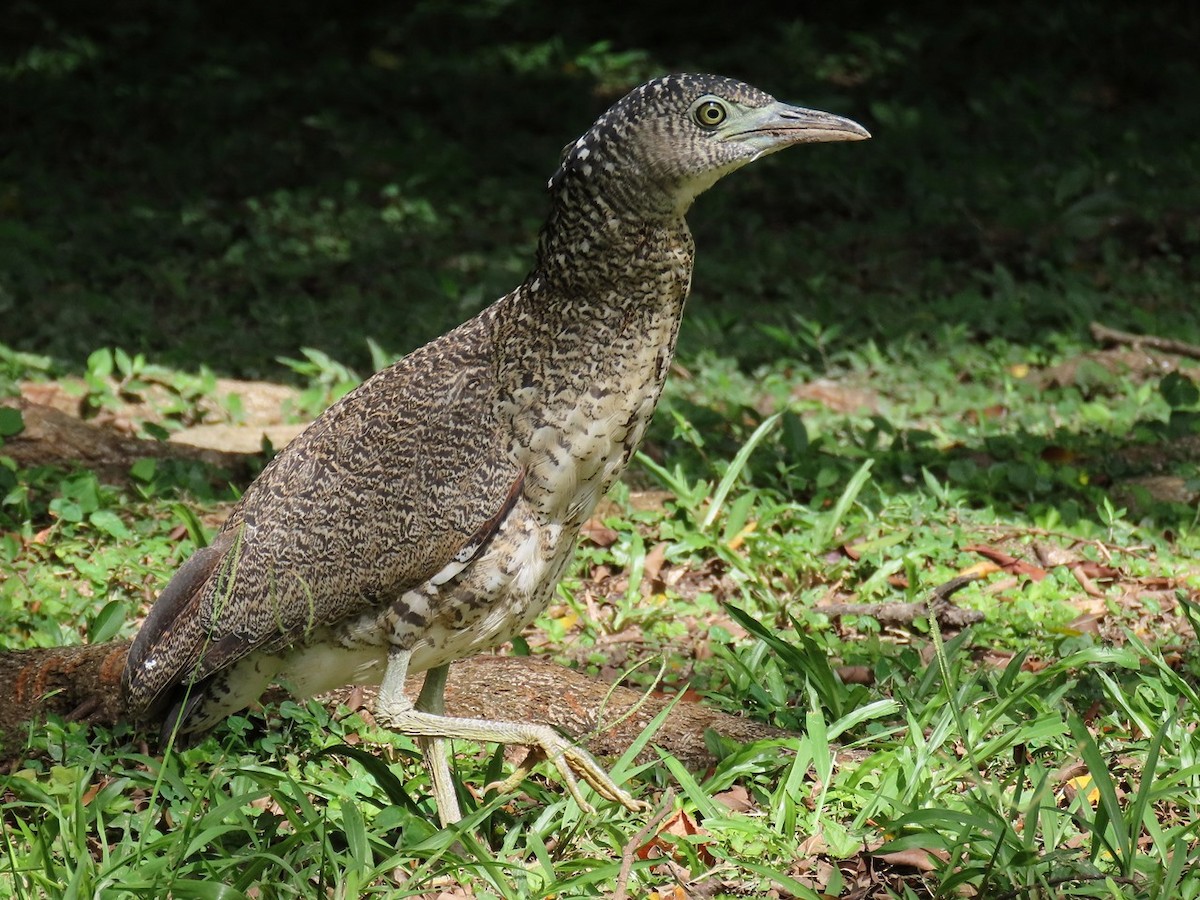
<point>736,467</point>
<point>830,526</point>
<point>1109,810</point>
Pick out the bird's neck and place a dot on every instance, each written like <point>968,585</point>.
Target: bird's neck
<point>592,245</point>
<point>607,275</point>
<point>583,349</point>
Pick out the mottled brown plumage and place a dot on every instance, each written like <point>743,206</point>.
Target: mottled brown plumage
<point>430,513</point>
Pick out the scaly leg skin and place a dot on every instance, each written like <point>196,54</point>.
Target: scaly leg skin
<point>432,729</point>
<point>436,750</point>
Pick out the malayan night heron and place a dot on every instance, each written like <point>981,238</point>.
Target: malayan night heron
<point>429,514</point>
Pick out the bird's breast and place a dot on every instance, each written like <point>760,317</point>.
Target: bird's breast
<point>574,435</point>
<point>582,354</point>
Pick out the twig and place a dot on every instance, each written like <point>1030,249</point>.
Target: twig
<point>938,600</point>
<point>629,851</point>
<point>1102,334</point>
<point>947,613</point>
<point>947,589</point>
<point>1082,877</point>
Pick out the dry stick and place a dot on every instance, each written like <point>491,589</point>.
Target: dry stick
<point>1102,334</point>
<point>1082,877</point>
<point>905,613</point>
<point>629,851</point>
<point>84,682</point>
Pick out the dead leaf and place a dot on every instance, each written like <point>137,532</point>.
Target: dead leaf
<point>1008,563</point>
<point>679,825</point>
<point>856,674</point>
<point>978,570</point>
<point>1084,785</point>
<point>90,794</point>
<point>813,845</point>
<point>740,538</point>
<point>652,567</point>
<point>919,858</point>
<point>598,533</point>
<point>736,799</point>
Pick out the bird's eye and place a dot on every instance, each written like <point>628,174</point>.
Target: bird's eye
<point>709,114</point>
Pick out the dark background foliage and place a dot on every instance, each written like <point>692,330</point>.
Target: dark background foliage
<point>196,187</point>
<point>221,183</point>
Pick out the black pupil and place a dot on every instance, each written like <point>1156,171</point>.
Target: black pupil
<point>711,112</point>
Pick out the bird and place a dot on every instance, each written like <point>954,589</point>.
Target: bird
<point>430,513</point>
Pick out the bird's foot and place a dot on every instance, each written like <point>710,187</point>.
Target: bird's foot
<point>572,763</point>
<point>533,756</point>
<point>427,722</point>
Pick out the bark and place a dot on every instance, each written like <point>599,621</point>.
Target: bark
<point>83,683</point>
<point>1102,334</point>
<point>53,437</point>
<point>80,683</point>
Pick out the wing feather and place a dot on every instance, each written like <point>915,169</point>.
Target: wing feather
<point>377,496</point>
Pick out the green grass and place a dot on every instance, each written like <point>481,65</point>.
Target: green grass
<point>884,367</point>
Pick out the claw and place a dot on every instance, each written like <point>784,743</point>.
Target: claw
<point>426,722</point>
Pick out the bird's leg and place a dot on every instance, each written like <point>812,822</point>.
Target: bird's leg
<point>394,710</point>
<point>436,750</point>
<point>392,707</point>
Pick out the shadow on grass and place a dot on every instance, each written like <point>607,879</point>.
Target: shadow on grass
<point>212,184</point>
<point>1060,478</point>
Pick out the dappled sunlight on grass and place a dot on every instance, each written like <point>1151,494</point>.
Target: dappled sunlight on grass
<point>886,382</point>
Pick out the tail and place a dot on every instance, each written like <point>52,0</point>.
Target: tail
<point>79,683</point>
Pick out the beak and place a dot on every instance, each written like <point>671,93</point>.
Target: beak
<point>777,125</point>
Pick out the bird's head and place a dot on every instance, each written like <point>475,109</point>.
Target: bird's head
<point>670,139</point>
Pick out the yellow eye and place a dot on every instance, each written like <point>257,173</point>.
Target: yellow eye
<point>709,114</point>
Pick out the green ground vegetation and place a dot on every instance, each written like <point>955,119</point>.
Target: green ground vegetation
<point>886,380</point>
